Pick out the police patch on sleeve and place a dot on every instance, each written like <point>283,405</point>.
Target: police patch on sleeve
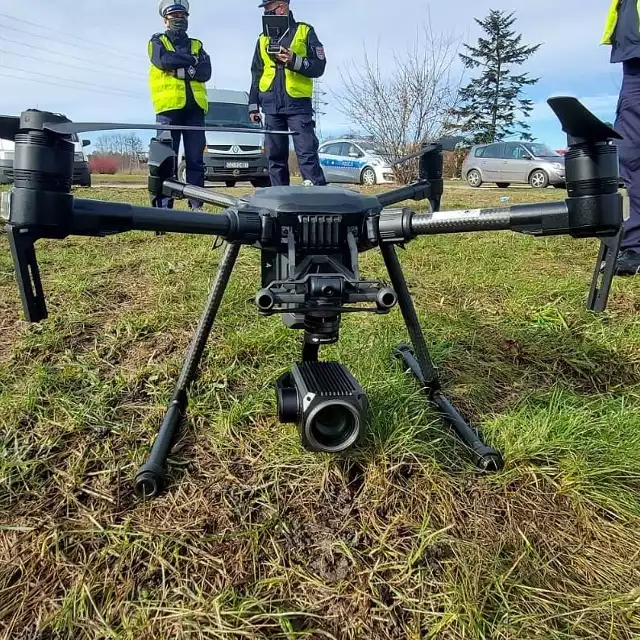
<point>320,53</point>
<point>305,63</point>
<point>192,71</point>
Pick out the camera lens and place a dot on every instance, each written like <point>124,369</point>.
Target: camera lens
<point>265,300</point>
<point>333,427</point>
<point>328,291</point>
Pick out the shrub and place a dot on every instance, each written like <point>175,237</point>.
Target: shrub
<point>103,164</point>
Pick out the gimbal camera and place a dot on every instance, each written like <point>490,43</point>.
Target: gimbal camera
<point>310,239</point>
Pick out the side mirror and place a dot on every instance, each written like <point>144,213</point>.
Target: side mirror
<point>86,143</point>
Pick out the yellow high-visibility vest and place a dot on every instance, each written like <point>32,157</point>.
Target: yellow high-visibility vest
<point>612,21</point>
<point>169,92</point>
<point>297,85</point>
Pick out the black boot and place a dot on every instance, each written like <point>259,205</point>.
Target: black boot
<point>628,263</point>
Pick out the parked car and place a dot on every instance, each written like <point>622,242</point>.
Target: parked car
<point>6,160</point>
<point>81,173</point>
<point>506,163</point>
<point>232,157</point>
<point>354,161</point>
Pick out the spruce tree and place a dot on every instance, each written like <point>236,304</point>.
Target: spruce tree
<point>492,106</point>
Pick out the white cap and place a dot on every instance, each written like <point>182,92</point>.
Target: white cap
<point>166,6</point>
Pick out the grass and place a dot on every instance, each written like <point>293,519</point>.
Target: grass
<point>98,179</point>
<point>257,538</point>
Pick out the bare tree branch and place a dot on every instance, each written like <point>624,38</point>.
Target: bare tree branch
<point>410,103</point>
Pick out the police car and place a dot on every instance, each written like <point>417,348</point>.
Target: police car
<point>355,161</point>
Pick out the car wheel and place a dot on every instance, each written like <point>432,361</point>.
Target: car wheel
<point>539,179</point>
<point>230,183</point>
<point>87,182</point>
<point>182,172</point>
<point>368,177</point>
<point>474,179</point>
<point>503,185</point>
<point>261,183</point>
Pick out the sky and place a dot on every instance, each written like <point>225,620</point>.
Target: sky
<point>88,59</point>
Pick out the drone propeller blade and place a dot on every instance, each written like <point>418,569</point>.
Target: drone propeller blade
<point>417,154</point>
<point>578,122</point>
<point>447,144</point>
<point>67,128</point>
<point>9,126</point>
<point>450,143</point>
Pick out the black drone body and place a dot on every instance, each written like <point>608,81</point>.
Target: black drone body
<point>310,239</point>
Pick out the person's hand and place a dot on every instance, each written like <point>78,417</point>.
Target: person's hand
<point>254,116</point>
<point>285,55</point>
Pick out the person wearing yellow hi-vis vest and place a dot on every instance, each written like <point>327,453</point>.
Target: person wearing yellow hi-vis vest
<point>178,73</point>
<point>622,33</point>
<point>282,86</point>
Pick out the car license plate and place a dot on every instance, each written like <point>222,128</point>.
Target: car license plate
<point>237,165</point>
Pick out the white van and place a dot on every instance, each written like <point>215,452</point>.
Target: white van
<point>232,157</point>
<point>81,174</point>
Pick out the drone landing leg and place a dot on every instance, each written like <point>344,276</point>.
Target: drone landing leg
<point>603,277</point>
<point>28,275</point>
<point>421,365</point>
<point>151,477</point>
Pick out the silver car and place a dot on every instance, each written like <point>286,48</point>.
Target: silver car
<point>354,161</point>
<point>507,163</point>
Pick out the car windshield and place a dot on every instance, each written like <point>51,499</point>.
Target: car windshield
<point>371,149</point>
<point>542,151</point>
<point>229,115</point>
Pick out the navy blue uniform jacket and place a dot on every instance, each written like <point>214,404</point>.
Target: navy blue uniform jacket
<point>277,100</point>
<point>181,59</point>
<point>626,38</point>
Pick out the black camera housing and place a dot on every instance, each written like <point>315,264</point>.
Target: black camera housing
<point>326,403</point>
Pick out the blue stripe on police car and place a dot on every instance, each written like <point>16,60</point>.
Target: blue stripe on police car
<point>344,164</point>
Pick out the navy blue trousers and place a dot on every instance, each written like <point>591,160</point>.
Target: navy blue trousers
<point>194,143</point>
<point>628,125</point>
<point>305,144</point>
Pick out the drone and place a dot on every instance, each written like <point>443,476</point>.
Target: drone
<point>310,238</point>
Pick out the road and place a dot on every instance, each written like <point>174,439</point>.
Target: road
<point>143,185</point>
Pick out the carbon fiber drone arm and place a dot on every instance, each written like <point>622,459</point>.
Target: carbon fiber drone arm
<point>98,218</point>
<point>593,207</point>
<point>591,217</point>
<point>27,223</point>
<point>41,206</point>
